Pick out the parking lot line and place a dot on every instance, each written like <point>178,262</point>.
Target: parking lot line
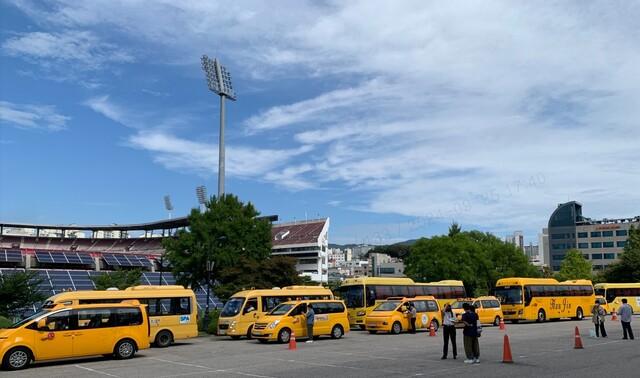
<point>96,371</point>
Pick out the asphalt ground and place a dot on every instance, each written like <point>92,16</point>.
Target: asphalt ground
<point>541,350</point>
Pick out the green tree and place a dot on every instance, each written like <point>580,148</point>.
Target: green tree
<point>574,267</point>
<point>121,279</point>
<point>19,291</point>
<point>628,268</point>
<point>228,234</point>
<point>454,229</point>
<point>479,259</point>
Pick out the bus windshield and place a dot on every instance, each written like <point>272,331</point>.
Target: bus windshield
<point>600,291</point>
<point>232,307</point>
<point>387,306</point>
<point>27,320</point>
<point>353,296</point>
<point>282,309</point>
<point>509,294</point>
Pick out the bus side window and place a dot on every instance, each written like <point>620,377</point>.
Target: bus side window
<point>527,295</point>
<point>371,296</point>
<point>250,306</point>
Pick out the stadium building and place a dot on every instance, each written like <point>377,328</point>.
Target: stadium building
<point>67,257</point>
<point>308,242</point>
<point>600,241</point>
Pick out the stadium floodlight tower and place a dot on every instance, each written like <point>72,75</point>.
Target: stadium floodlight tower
<point>168,205</point>
<point>201,193</point>
<point>219,82</point>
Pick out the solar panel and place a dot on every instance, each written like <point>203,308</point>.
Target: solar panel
<point>44,257</point>
<point>8,255</point>
<point>85,258</point>
<point>126,260</point>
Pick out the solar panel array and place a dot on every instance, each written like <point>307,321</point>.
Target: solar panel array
<point>64,258</point>
<point>115,259</point>
<point>54,281</point>
<point>10,255</point>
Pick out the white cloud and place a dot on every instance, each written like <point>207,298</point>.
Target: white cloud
<point>26,116</point>
<point>84,49</point>
<point>428,109</point>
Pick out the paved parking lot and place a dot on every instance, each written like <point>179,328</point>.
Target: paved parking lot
<point>538,350</point>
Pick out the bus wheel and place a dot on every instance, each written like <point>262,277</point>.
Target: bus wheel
<point>496,321</point>
<point>579,314</point>
<point>249,332</point>
<point>396,328</point>
<point>542,316</point>
<point>284,335</point>
<point>337,331</point>
<point>124,349</point>
<point>17,358</point>
<point>163,339</point>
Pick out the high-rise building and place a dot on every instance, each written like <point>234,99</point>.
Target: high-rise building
<point>517,239</point>
<point>600,241</point>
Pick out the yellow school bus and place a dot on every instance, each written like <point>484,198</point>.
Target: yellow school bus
<point>362,294</point>
<point>243,309</point>
<point>541,299</point>
<point>173,310</point>
<point>289,318</point>
<point>118,329</point>
<point>391,315</point>
<point>615,292</point>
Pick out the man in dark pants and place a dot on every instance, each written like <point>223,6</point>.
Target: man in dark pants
<point>470,335</point>
<point>626,312</point>
<point>311,317</point>
<point>413,314</point>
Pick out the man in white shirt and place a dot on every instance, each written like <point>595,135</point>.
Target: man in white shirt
<point>625,312</point>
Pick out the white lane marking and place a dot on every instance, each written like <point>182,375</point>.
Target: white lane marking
<point>180,363</point>
<point>199,373</point>
<point>96,371</point>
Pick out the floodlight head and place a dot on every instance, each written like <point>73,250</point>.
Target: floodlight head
<point>218,78</point>
<point>167,203</point>
<point>201,193</point>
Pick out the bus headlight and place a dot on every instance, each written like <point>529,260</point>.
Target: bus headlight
<point>520,312</point>
<point>273,324</point>
<point>233,324</point>
<point>361,313</point>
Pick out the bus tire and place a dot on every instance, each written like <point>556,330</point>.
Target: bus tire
<point>284,335</point>
<point>337,331</point>
<point>125,349</point>
<point>542,316</point>
<point>249,332</point>
<point>496,321</point>
<point>396,328</point>
<point>435,324</point>
<point>17,358</point>
<point>579,314</point>
<point>164,338</point>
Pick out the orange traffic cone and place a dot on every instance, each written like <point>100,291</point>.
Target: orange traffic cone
<point>578,343</point>
<point>614,316</point>
<point>506,351</point>
<point>502,324</point>
<point>432,330</point>
<point>292,341</point>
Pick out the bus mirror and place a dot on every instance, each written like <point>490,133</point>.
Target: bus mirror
<point>42,324</point>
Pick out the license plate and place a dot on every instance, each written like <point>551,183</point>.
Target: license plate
<point>222,332</point>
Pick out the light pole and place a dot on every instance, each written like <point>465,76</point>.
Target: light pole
<point>168,205</point>
<point>201,193</point>
<point>219,82</point>
<point>210,265</point>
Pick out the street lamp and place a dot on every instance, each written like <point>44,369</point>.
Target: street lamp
<point>168,205</point>
<point>219,82</point>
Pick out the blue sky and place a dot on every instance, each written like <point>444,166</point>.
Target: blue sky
<point>392,118</point>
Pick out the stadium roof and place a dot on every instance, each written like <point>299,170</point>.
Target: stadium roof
<point>167,224</point>
<point>300,232</point>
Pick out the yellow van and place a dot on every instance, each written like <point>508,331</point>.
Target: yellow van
<point>331,319</point>
<point>488,309</point>
<point>172,309</point>
<point>117,330</point>
<point>391,315</point>
<point>245,307</point>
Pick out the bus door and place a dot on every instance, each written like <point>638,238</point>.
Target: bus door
<point>248,315</point>
<point>299,323</point>
<point>54,336</point>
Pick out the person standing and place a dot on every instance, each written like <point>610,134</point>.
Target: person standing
<point>310,315</point>
<point>413,314</point>
<point>597,316</point>
<point>470,334</point>
<point>625,312</point>
<point>449,332</point>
